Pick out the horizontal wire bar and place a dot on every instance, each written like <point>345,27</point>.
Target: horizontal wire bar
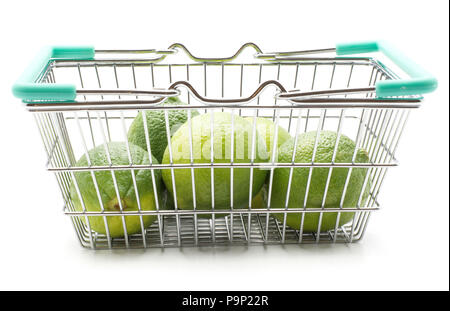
<point>296,94</point>
<point>268,117</point>
<point>220,211</point>
<point>139,51</point>
<point>290,53</point>
<point>130,92</point>
<point>300,104</point>
<point>219,165</point>
<point>149,63</point>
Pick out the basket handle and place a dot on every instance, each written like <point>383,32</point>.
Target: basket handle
<point>26,87</point>
<point>420,81</point>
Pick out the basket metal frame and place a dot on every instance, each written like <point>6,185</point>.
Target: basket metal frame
<point>380,125</point>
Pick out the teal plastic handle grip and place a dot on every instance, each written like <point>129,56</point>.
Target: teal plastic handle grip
<point>26,87</point>
<point>420,82</point>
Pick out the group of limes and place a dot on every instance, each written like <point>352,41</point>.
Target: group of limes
<point>241,149</point>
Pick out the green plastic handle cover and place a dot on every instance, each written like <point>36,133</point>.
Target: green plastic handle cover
<point>26,87</point>
<point>420,81</point>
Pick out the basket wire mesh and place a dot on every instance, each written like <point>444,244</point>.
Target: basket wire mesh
<point>334,94</point>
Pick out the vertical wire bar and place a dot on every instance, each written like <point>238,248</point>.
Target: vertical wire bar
<point>187,79</point>
<point>132,171</point>
<point>252,162</point>
<point>116,78</point>
<point>330,86</point>
<point>274,150</point>
<point>169,146</point>
<point>133,177</point>
<point>134,78</point>
<point>377,134</point>
<point>291,173</point>
<point>152,71</point>
<point>213,218</point>
<point>62,160</point>
<point>50,157</point>
<point>374,138</point>
<point>312,88</point>
<point>106,117</point>
<point>376,188</point>
<point>75,182</point>
<point>259,82</point>
<point>241,85</point>
<point>275,101</point>
<point>330,171</point>
<point>373,131</point>
<point>276,117</point>
<point>194,198</point>
<point>94,179</point>
<point>349,77</point>
<point>49,135</point>
<point>383,161</point>
<point>338,217</point>
<point>241,218</point>
<point>370,80</point>
<point>52,75</point>
<point>364,222</point>
<point>368,125</point>
<point>379,141</point>
<point>332,76</point>
<point>62,126</point>
<point>87,112</point>
<point>113,175</point>
<point>223,82</point>
<point>375,80</point>
<point>357,142</point>
<point>382,145</point>
<point>372,117</point>
<point>295,86</point>
<point>356,215</point>
<point>47,146</point>
<point>59,157</point>
<point>152,172</point>
<point>191,155</point>
<point>204,83</point>
<point>232,174</point>
<point>83,206</point>
<point>313,158</point>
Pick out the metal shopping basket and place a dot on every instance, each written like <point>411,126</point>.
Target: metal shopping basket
<point>82,98</point>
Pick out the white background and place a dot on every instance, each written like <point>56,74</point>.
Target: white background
<point>406,246</point>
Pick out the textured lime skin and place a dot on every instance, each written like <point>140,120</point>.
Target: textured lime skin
<point>156,123</point>
<point>325,148</point>
<point>266,129</point>
<point>119,156</point>
<point>201,141</point>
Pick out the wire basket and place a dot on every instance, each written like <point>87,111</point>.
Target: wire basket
<point>83,98</point>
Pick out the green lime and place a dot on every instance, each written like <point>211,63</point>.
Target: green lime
<point>127,196</point>
<point>156,124</point>
<point>222,147</point>
<point>304,153</point>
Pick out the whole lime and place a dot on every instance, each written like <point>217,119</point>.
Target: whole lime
<point>324,154</point>
<point>156,124</point>
<point>221,143</point>
<point>109,199</point>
